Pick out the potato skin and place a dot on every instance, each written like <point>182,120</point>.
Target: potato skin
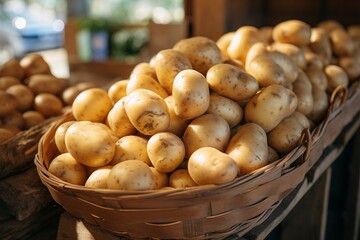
<point>48,104</point>
<point>24,96</point>
<point>202,52</point>
<point>321,104</point>
<point>268,107</point>
<point>208,130</point>
<point>45,83</point>
<point>177,124</point>
<point>98,178</point>
<point>191,94</point>
<point>292,31</point>
<point>60,136</point>
<point>302,88</point>
<point>118,90</point>
<point>249,148</point>
<point>320,44</point>
<point>146,82</point>
<point>232,82</point>
<point>335,76</point>
<point>181,178</point>
<point>286,135</point>
<point>8,103</point>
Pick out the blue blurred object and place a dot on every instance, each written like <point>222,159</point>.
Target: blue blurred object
<point>28,29</point>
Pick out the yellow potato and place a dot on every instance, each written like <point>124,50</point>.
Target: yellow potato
<point>177,124</point>
<point>286,135</point>
<point>48,104</point>
<point>268,107</point>
<point>145,82</point>
<point>131,175</point>
<point>292,31</point>
<point>302,88</point>
<point>131,147</point>
<point>32,118</point>
<point>161,179</point>
<point>8,103</point>
<point>321,104</point>
<point>34,64</point>
<point>266,33</point>
<point>24,96</point>
<point>143,68</point>
<point>8,81</point>
<point>117,90</point>
<point>191,94</point>
<point>90,144</point>
<point>272,155</point>
<point>208,130</point>
<point>232,82</point>
<point>351,67</point>
<point>320,44</point>
<point>313,60</point>
<point>336,76</point>
<point>223,43</point>
<point>166,151</point>
<point>180,178</point>
<point>168,63</point>
<point>228,109</point>
<point>249,148</point>
<point>242,41</point>
<point>291,50</point>
<point>208,165</point>
<point>98,178</point>
<point>65,167</point>
<point>12,68</point>
<point>147,111</point>
<point>341,42</point>
<point>317,77</point>
<point>60,136</point>
<point>289,66</point>
<point>92,104</point>
<point>202,52</point>
<point>45,83</point>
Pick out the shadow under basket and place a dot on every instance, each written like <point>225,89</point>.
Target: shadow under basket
<point>202,212</point>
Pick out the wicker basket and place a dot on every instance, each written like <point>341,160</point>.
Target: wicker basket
<point>201,212</point>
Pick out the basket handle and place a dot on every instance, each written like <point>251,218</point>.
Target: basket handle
<point>340,92</point>
<point>305,139</point>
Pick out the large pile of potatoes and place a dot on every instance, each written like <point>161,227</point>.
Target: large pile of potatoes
<point>206,112</point>
<point>30,93</point>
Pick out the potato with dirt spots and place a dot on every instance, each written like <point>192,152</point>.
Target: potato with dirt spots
<point>249,148</point>
<point>161,179</point>
<point>90,144</point>
<point>147,111</point>
<point>132,175</point>
<point>92,104</point>
<point>98,178</point>
<point>65,167</point>
<point>166,151</point>
<point>181,178</point>
<point>145,82</point>
<point>118,90</point>
<point>208,165</point>
<point>177,124</point>
<point>208,130</point>
<point>232,82</point>
<point>168,63</point>
<point>202,52</point>
<point>317,77</point>
<point>321,104</point>
<point>270,106</point>
<point>302,88</point>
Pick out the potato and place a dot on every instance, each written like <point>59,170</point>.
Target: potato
<point>118,90</point>
<point>351,67</point>
<point>12,68</point>
<point>268,107</point>
<point>45,83</point>
<point>226,108</point>
<point>70,93</point>
<point>302,88</point>
<point>168,63</point>
<point>8,81</point>
<point>232,82</point>
<point>180,178</point>
<point>317,77</point>
<point>5,134</point>
<point>249,148</point>
<point>92,104</point>
<point>191,94</point>
<point>320,44</point>
<point>293,51</point>
<point>292,31</point>
<point>266,33</point>
<point>241,42</point>
<point>354,32</point>
<point>65,167</point>
<point>289,67</point>
<point>272,155</point>
<point>118,121</point>
<point>166,151</point>
<point>208,165</point>
<point>90,144</point>
<point>131,147</point>
<point>48,104</point>
<point>329,24</point>
<point>32,118</point>
<point>161,179</point>
<point>98,178</point>
<point>321,104</point>
<point>202,52</point>
<point>143,68</point>
<point>8,103</point>
<point>286,135</point>
<point>336,76</point>
<point>24,96</point>
<point>145,82</point>
<point>34,64</point>
<point>14,118</point>
<point>177,124</point>
<point>208,130</point>
<point>341,42</point>
<point>60,136</point>
<point>313,60</point>
<point>132,175</point>
<point>223,43</point>
<point>147,111</point>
